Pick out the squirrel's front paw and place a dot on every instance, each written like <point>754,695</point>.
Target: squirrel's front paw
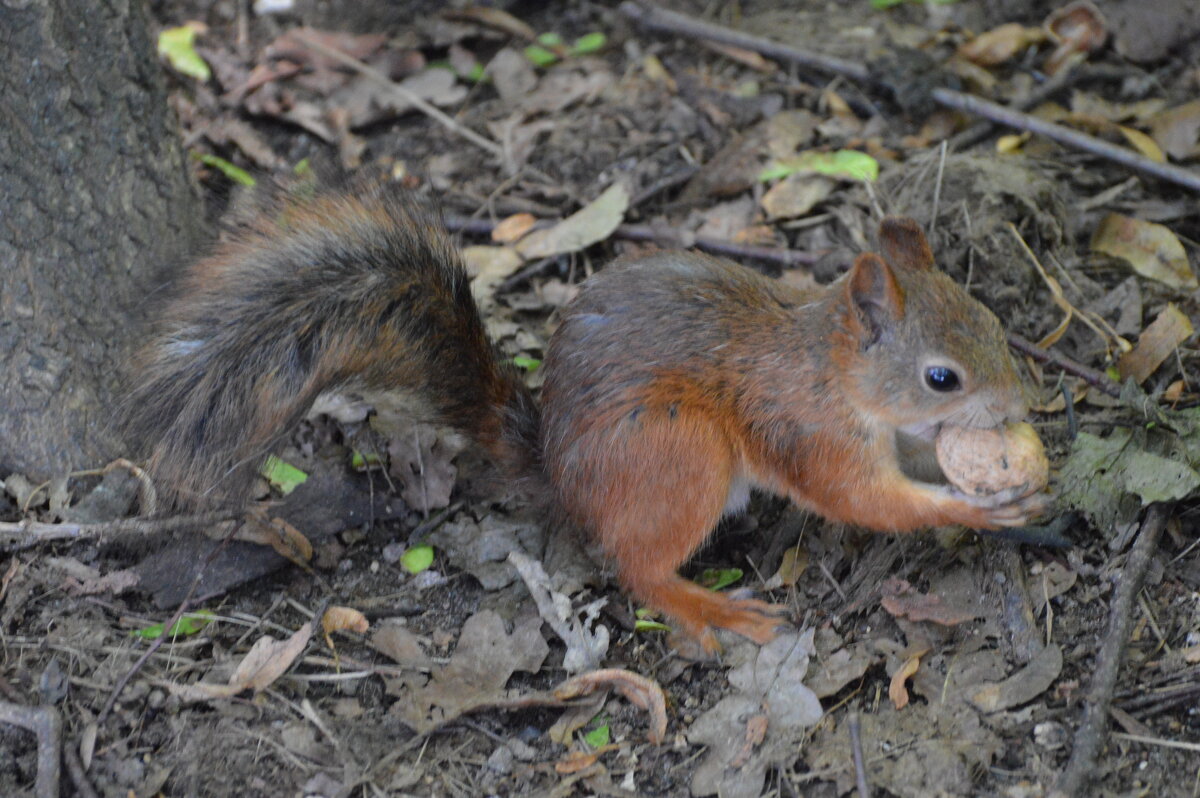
<point>1015,506</point>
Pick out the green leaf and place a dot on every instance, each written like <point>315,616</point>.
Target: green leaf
<point>644,623</point>
<point>234,173</point>
<point>177,46</point>
<point>550,39</point>
<point>717,578</point>
<point>303,167</point>
<point>880,5</point>
<point>361,461</point>
<point>843,164</point>
<point>282,475</point>
<point>417,558</point>
<point>526,362</point>
<point>599,736</point>
<point>589,43</point>
<point>188,624</point>
<point>540,56</point>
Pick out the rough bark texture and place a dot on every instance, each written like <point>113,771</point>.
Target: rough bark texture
<point>94,202</point>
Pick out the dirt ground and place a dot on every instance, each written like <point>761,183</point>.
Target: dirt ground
<point>962,664</point>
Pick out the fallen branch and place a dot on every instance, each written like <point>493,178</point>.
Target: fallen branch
<point>46,725</point>
<point>16,535</point>
<point>1089,738</point>
<point>658,19</point>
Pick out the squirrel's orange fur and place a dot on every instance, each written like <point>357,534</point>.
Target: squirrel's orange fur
<point>675,382</point>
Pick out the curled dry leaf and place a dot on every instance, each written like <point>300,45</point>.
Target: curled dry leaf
<point>338,619</point>
<point>896,689</point>
<point>1022,686</point>
<point>641,692</point>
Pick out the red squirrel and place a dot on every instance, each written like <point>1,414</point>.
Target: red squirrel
<point>674,384</point>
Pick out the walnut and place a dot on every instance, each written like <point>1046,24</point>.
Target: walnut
<point>986,461</point>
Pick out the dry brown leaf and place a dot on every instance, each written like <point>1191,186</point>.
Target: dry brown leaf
<point>592,223</point>
<point>513,227</point>
<point>902,600</point>
<point>896,689</point>
<point>268,659</point>
<point>1177,130</point>
<point>796,195</point>
<point>742,56</point>
<point>756,732</point>
<point>493,18</point>
<point>657,73</point>
<point>1191,655</point>
<point>641,692</point>
<point>1156,344</point>
<point>399,643</point>
<point>1022,686</point>
<point>575,761</point>
<point>1143,144</point>
<point>1000,44</point>
<point>1151,249</point>
<point>337,619</point>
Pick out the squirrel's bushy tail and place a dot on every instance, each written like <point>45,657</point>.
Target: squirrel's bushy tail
<point>317,293</point>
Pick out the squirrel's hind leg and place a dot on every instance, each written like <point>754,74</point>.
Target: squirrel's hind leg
<point>660,485</point>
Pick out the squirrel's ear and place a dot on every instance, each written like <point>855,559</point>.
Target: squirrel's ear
<point>875,295</point>
<point>904,244</point>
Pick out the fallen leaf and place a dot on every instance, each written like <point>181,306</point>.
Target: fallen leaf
<point>1151,249</point>
<point>585,638</point>
<point>1022,686</point>
<point>641,692</point>
<point>268,659</point>
<point>594,222</point>
<point>513,227</point>
<point>1000,44</point>
<point>1158,342</point>
<point>796,195</point>
<point>896,687</point>
<point>902,600</point>
<point>422,462</point>
<point>394,640</point>
<point>338,619</point>
<point>1177,130</point>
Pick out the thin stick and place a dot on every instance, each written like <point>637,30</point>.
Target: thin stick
<point>856,748</point>
<point>1089,738</point>
<point>669,22</point>
<point>46,724</point>
<point>421,105</point>
<point>1097,379</point>
<point>16,535</point>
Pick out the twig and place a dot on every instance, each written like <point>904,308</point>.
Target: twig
<point>421,105</point>
<point>1065,135</point>
<point>1097,379</point>
<point>669,22</point>
<point>16,535</point>
<point>46,724</point>
<point>860,769</point>
<point>1089,738</point>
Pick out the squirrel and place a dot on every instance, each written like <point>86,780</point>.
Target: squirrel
<point>674,383</point>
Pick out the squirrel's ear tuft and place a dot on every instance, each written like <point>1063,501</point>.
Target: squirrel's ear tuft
<point>875,296</point>
<point>904,244</point>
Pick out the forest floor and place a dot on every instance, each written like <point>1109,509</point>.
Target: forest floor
<point>961,664</point>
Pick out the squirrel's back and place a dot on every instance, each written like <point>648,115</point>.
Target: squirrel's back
<point>318,293</point>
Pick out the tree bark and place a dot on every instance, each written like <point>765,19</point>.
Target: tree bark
<point>94,202</point>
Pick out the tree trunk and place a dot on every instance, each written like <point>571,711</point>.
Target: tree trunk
<point>94,201</point>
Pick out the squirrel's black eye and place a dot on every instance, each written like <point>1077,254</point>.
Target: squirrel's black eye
<point>941,379</point>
